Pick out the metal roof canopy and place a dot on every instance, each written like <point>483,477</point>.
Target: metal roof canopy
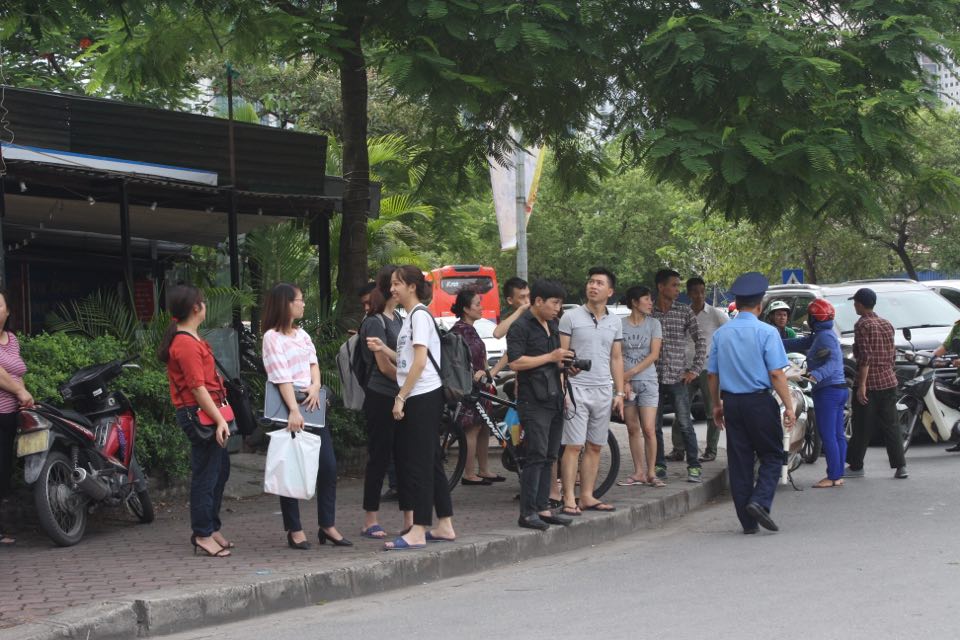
<point>107,168</point>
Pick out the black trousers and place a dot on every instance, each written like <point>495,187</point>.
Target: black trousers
<point>542,429</point>
<point>753,429</point>
<point>880,412</point>
<point>381,432</point>
<point>326,489</point>
<point>420,475</point>
<point>8,434</point>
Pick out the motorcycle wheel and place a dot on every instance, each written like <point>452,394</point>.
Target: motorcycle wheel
<point>140,505</point>
<point>138,502</point>
<point>907,419</point>
<point>61,510</point>
<point>812,444</point>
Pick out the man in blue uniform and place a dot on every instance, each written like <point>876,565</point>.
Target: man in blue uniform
<point>746,359</point>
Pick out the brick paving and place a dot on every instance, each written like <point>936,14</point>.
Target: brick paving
<point>119,558</point>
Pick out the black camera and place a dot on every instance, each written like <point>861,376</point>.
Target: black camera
<point>578,363</point>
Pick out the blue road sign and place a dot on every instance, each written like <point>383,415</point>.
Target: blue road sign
<point>792,276</point>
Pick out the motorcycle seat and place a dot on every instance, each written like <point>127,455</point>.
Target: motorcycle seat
<point>73,416</point>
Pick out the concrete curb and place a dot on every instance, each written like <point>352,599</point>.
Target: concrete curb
<point>170,611</point>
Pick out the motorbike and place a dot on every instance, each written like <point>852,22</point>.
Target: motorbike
<point>929,393</point>
<point>802,443</point>
<point>76,460</point>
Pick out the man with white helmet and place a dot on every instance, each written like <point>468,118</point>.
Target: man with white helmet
<point>777,314</point>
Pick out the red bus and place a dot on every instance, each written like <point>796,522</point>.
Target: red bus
<point>447,282</point>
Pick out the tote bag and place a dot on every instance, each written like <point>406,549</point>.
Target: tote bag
<point>293,460</point>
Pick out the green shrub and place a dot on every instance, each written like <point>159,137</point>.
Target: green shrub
<point>51,360</point>
<point>349,428</point>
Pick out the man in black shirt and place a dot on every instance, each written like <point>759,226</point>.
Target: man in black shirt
<point>533,347</point>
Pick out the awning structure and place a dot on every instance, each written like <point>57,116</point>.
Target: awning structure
<point>87,179</point>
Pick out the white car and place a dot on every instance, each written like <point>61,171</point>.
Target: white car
<point>949,289</point>
<point>496,347</point>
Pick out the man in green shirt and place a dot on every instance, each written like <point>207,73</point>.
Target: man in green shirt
<point>777,314</point>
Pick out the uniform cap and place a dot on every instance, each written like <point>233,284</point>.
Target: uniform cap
<point>749,285</point>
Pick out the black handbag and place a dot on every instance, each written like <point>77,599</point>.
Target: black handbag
<point>238,395</point>
<point>197,433</point>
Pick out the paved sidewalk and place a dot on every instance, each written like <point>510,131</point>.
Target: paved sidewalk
<point>126,579</point>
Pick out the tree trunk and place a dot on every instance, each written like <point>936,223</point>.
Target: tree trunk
<point>810,266</point>
<point>352,273</point>
<point>907,262</point>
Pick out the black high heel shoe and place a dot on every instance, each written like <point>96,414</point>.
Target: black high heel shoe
<point>223,553</point>
<point>323,537</point>
<point>303,544</point>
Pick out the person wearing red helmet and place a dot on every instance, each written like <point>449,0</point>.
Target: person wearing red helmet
<point>830,392</point>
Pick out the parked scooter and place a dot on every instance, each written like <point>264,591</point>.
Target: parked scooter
<point>930,396</point>
<point>802,443</point>
<point>77,460</point>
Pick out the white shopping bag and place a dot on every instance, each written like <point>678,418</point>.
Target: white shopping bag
<point>292,464</point>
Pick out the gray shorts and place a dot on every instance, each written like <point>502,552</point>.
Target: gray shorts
<point>589,420</point>
<point>646,393</point>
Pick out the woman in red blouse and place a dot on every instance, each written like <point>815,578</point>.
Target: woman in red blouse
<point>195,386</point>
<point>13,397</point>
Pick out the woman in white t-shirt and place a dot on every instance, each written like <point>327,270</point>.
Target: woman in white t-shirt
<point>418,408</point>
<point>291,363</point>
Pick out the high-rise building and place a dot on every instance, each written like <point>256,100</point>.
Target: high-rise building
<point>945,78</point>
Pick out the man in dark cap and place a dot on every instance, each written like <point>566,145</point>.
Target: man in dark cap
<point>746,359</point>
<point>875,401</point>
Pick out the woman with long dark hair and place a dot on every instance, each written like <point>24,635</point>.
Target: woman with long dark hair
<point>290,359</point>
<point>418,408</point>
<point>195,387</point>
<point>13,397</point>
<point>468,307</point>
<point>380,389</point>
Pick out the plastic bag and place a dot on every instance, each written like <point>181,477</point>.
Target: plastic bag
<point>292,464</point>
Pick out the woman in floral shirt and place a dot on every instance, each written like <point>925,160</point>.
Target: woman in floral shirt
<point>468,307</point>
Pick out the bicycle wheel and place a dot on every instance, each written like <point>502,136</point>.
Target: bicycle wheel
<point>453,448</point>
<point>608,468</point>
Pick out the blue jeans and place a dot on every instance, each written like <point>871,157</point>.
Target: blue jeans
<point>326,490</point>
<point>682,419</point>
<point>209,468</point>
<point>828,404</point>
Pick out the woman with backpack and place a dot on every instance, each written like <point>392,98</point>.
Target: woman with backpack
<point>290,360</point>
<point>418,408</point>
<point>380,388</point>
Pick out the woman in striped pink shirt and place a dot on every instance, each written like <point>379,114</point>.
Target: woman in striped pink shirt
<point>13,397</point>
<point>291,363</point>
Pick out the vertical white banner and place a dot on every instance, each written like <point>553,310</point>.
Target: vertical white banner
<point>503,183</point>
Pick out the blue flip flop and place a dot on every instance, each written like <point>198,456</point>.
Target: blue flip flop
<point>399,544</point>
<point>372,529</point>
<point>433,538</point>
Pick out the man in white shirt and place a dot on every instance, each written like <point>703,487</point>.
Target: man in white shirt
<point>709,319</point>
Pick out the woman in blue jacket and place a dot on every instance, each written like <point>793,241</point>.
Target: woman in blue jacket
<point>830,391</point>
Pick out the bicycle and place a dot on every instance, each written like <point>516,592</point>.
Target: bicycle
<point>512,458</point>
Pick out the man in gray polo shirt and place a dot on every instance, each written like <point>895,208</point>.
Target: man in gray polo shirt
<point>594,334</point>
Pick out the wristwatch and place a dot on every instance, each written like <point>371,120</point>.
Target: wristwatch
<point>620,394</point>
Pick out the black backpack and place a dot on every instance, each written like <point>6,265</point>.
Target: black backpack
<point>455,368</point>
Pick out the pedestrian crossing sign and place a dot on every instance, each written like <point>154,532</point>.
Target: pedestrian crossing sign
<point>792,276</point>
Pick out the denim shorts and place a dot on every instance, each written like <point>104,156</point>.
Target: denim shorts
<point>646,393</point>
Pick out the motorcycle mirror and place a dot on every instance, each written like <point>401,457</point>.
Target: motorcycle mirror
<point>908,334</point>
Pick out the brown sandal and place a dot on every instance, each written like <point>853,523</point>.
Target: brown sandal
<point>827,483</point>
<point>654,481</point>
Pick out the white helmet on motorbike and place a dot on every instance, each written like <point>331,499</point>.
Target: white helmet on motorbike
<point>777,305</point>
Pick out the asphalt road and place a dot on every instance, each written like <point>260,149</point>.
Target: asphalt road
<point>878,558</point>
